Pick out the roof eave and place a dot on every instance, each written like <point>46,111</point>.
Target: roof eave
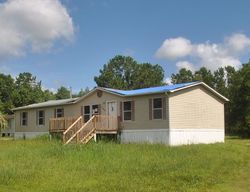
<point>38,107</point>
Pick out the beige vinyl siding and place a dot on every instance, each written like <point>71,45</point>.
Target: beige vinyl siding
<point>93,99</point>
<point>32,120</point>
<point>142,120</point>
<point>195,108</point>
<point>141,115</point>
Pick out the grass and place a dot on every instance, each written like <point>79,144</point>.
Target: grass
<point>42,165</point>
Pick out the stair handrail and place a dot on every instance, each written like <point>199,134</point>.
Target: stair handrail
<point>90,132</point>
<point>75,134</point>
<point>72,125</point>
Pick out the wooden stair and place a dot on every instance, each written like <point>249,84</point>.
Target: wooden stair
<point>88,137</point>
<point>79,132</point>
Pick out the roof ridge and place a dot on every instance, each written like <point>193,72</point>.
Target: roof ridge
<point>187,83</point>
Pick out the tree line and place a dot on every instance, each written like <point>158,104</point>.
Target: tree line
<point>124,72</point>
<point>25,89</point>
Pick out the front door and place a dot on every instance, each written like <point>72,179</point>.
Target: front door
<point>112,113</point>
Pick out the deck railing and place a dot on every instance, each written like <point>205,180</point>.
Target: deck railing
<point>61,124</point>
<point>74,129</point>
<point>104,123</point>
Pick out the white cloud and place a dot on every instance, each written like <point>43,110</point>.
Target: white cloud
<point>32,25</point>
<point>168,81</point>
<point>238,42</point>
<point>185,64</point>
<point>210,55</point>
<point>174,48</point>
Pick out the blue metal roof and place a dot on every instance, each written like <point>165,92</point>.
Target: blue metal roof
<point>150,90</point>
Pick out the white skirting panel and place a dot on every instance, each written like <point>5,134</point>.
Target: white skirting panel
<point>145,136</point>
<point>195,136</point>
<point>28,135</point>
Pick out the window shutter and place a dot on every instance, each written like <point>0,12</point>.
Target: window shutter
<point>150,109</point>
<point>55,113</point>
<point>99,109</point>
<point>133,110</point>
<point>164,108</point>
<point>121,111</point>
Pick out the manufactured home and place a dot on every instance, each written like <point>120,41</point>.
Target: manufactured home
<point>186,113</point>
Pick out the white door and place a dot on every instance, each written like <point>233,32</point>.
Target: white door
<point>112,108</point>
<point>112,113</point>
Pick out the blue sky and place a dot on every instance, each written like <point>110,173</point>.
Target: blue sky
<point>193,31</point>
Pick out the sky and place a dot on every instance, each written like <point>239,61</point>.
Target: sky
<point>67,42</point>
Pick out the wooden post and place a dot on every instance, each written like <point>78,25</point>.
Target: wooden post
<point>77,138</point>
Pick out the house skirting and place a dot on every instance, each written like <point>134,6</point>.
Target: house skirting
<point>145,136</point>
<point>173,136</point>
<point>28,135</point>
<point>195,136</point>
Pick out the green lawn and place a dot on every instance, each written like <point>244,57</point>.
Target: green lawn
<point>42,165</point>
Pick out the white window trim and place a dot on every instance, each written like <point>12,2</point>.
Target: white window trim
<point>157,108</point>
<point>123,111</point>
<point>22,119</point>
<point>90,110</point>
<point>86,113</point>
<point>57,113</point>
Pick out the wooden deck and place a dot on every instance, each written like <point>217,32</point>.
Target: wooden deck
<point>60,124</point>
<point>73,129</point>
<point>102,124</point>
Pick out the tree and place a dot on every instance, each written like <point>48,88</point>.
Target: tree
<point>148,75</point>
<point>7,87</point>
<point>83,92</point>
<point>184,76</point>
<point>117,73</point>
<point>204,75</point>
<point>123,72</point>
<point>240,102</point>
<point>3,122</point>
<point>48,95</point>
<point>63,93</point>
<point>27,90</point>
<point>220,81</point>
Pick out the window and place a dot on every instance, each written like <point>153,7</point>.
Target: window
<point>59,112</point>
<point>90,110</point>
<point>94,110</point>
<point>40,117</point>
<point>127,111</point>
<point>157,108</point>
<point>86,113</point>
<point>24,118</point>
